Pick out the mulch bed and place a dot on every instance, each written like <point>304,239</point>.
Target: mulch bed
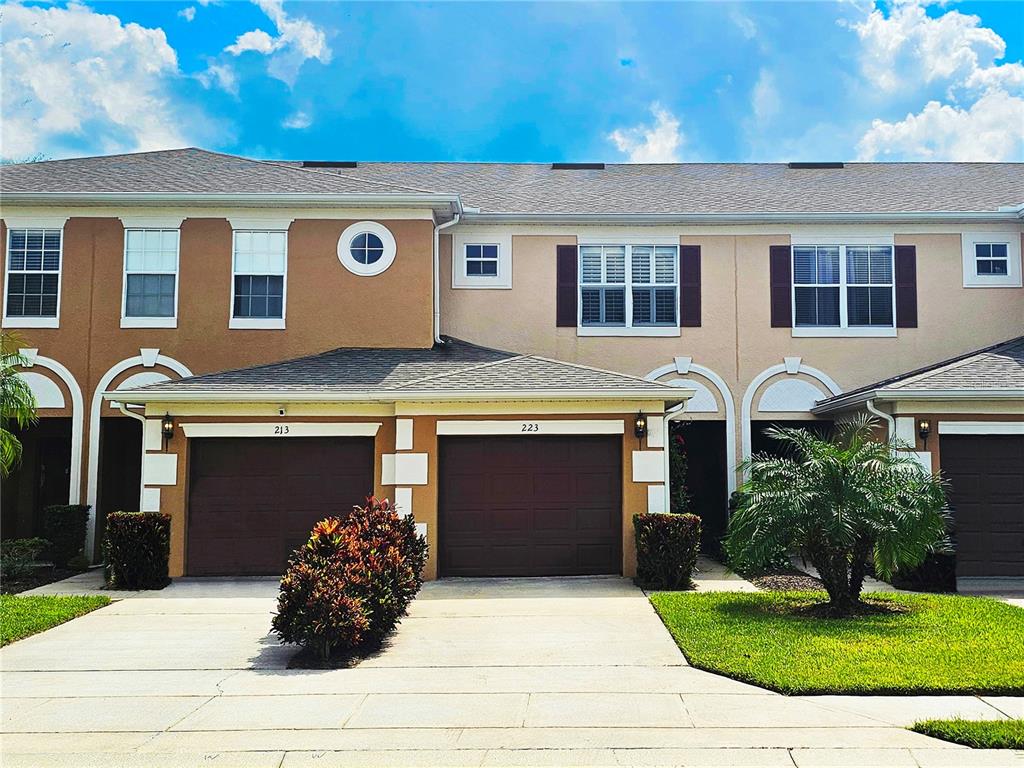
<point>45,574</point>
<point>792,581</point>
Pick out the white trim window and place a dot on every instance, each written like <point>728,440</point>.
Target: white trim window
<point>367,248</point>
<point>33,285</point>
<point>843,290</point>
<point>259,290</point>
<point>150,286</point>
<point>991,260</point>
<point>482,258</point>
<point>629,289</point>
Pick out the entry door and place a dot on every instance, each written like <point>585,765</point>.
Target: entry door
<point>530,506</point>
<point>253,501</point>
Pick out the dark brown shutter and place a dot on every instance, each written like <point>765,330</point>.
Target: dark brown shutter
<point>781,286</point>
<point>906,286</point>
<point>566,291</point>
<point>689,286</point>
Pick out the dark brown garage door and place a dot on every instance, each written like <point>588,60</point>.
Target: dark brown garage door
<point>252,501</point>
<point>986,477</point>
<point>530,506</point>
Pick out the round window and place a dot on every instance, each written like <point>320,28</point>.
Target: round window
<point>366,248</point>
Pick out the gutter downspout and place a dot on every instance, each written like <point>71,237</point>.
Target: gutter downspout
<point>123,408</point>
<point>869,405</point>
<point>437,274</point>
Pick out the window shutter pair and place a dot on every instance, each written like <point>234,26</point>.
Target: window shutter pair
<point>566,291</point>
<point>781,286</point>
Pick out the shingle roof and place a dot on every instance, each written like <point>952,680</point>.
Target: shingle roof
<point>534,188</point>
<point>455,366</point>
<point>184,171</point>
<point>999,368</point>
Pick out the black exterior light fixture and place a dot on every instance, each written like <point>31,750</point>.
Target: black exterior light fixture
<point>640,425</point>
<point>167,427</point>
<point>924,428</point>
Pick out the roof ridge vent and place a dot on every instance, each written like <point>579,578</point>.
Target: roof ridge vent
<point>809,166</point>
<point>329,163</point>
<point>577,166</point>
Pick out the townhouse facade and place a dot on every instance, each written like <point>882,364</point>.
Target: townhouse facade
<point>511,352</point>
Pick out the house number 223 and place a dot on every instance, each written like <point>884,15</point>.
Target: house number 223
<point>531,427</point>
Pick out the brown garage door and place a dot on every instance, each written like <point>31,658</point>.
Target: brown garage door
<point>530,506</point>
<point>252,501</point>
<point>986,477</point>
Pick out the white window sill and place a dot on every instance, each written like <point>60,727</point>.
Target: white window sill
<point>986,281</point>
<point>828,333</point>
<point>149,322</point>
<point>257,323</point>
<point>31,322</point>
<point>663,331</point>
<point>497,282</point>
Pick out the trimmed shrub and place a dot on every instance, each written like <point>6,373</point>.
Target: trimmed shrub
<point>18,556</point>
<point>64,527</point>
<point>666,549</point>
<point>350,584</point>
<point>136,548</point>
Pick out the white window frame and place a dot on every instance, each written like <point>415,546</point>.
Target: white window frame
<point>1012,278</point>
<point>482,236</point>
<point>258,323</point>
<point>628,329</point>
<point>843,329</point>
<point>380,265</point>
<point>150,322</point>
<point>18,321</point>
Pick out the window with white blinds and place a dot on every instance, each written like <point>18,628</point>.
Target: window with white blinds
<point>629,286</point>
<point>843,286</point>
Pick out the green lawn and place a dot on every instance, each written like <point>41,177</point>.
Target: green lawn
<point>980,734</point>
<point>942,644</point>
<point>24,616</point>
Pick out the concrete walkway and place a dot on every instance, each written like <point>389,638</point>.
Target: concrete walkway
<point>573,672</point>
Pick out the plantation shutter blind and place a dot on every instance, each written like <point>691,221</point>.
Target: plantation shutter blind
<point>566,288</point>
<point>906,286</point>
<point>781,288</point>
<point>689,286</point>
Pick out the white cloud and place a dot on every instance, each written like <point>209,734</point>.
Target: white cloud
<point>72,76</point>
<point>744,23</point>
<point>219,75</point>
<point>765,97</point>
<point>992,129</point>
<point>297,120</point>
<point>646,143</point>
<point>297,41</point>
<point>981,115</point>
<point>188,14</point>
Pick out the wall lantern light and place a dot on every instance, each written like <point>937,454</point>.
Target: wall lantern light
<point>924,428</point>
<point>167,427</point>
<point>640,425</point>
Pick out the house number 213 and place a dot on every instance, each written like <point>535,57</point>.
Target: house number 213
<point>531,427</point>
<point>281,429</point>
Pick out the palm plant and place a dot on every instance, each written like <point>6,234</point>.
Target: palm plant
<point>840,501</point>
<point>17,403</point>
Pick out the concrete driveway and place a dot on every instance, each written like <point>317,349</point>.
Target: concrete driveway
<point>483,672</point>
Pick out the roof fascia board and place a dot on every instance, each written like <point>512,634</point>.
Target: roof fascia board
<point>909,217</point>
<point>676,395</point>
<point>882,395</point>
<point>150,198</point>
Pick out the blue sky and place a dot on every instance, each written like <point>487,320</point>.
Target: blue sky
<point>705,81</point>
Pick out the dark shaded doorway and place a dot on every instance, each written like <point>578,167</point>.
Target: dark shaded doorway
<point>706,477</point>
<point>40,480</point>
<point>120,474</point>
<point>762,443</point>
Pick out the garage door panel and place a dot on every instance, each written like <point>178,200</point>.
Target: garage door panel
<point>539,505</point>
<point>986,477</point>
<point>252,501</point>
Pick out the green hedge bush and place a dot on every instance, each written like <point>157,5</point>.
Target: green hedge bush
<point>64,527</point>
<point>18,556</point>
<point>137,547</point>
<point>666,549</point>
<point>350,584</point>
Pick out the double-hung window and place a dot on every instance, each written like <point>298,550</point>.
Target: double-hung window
<point>259,261</point>
<point>843,289</point>
<point>32,297</point>
<point>150,278</point>
<point>630,289</point>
